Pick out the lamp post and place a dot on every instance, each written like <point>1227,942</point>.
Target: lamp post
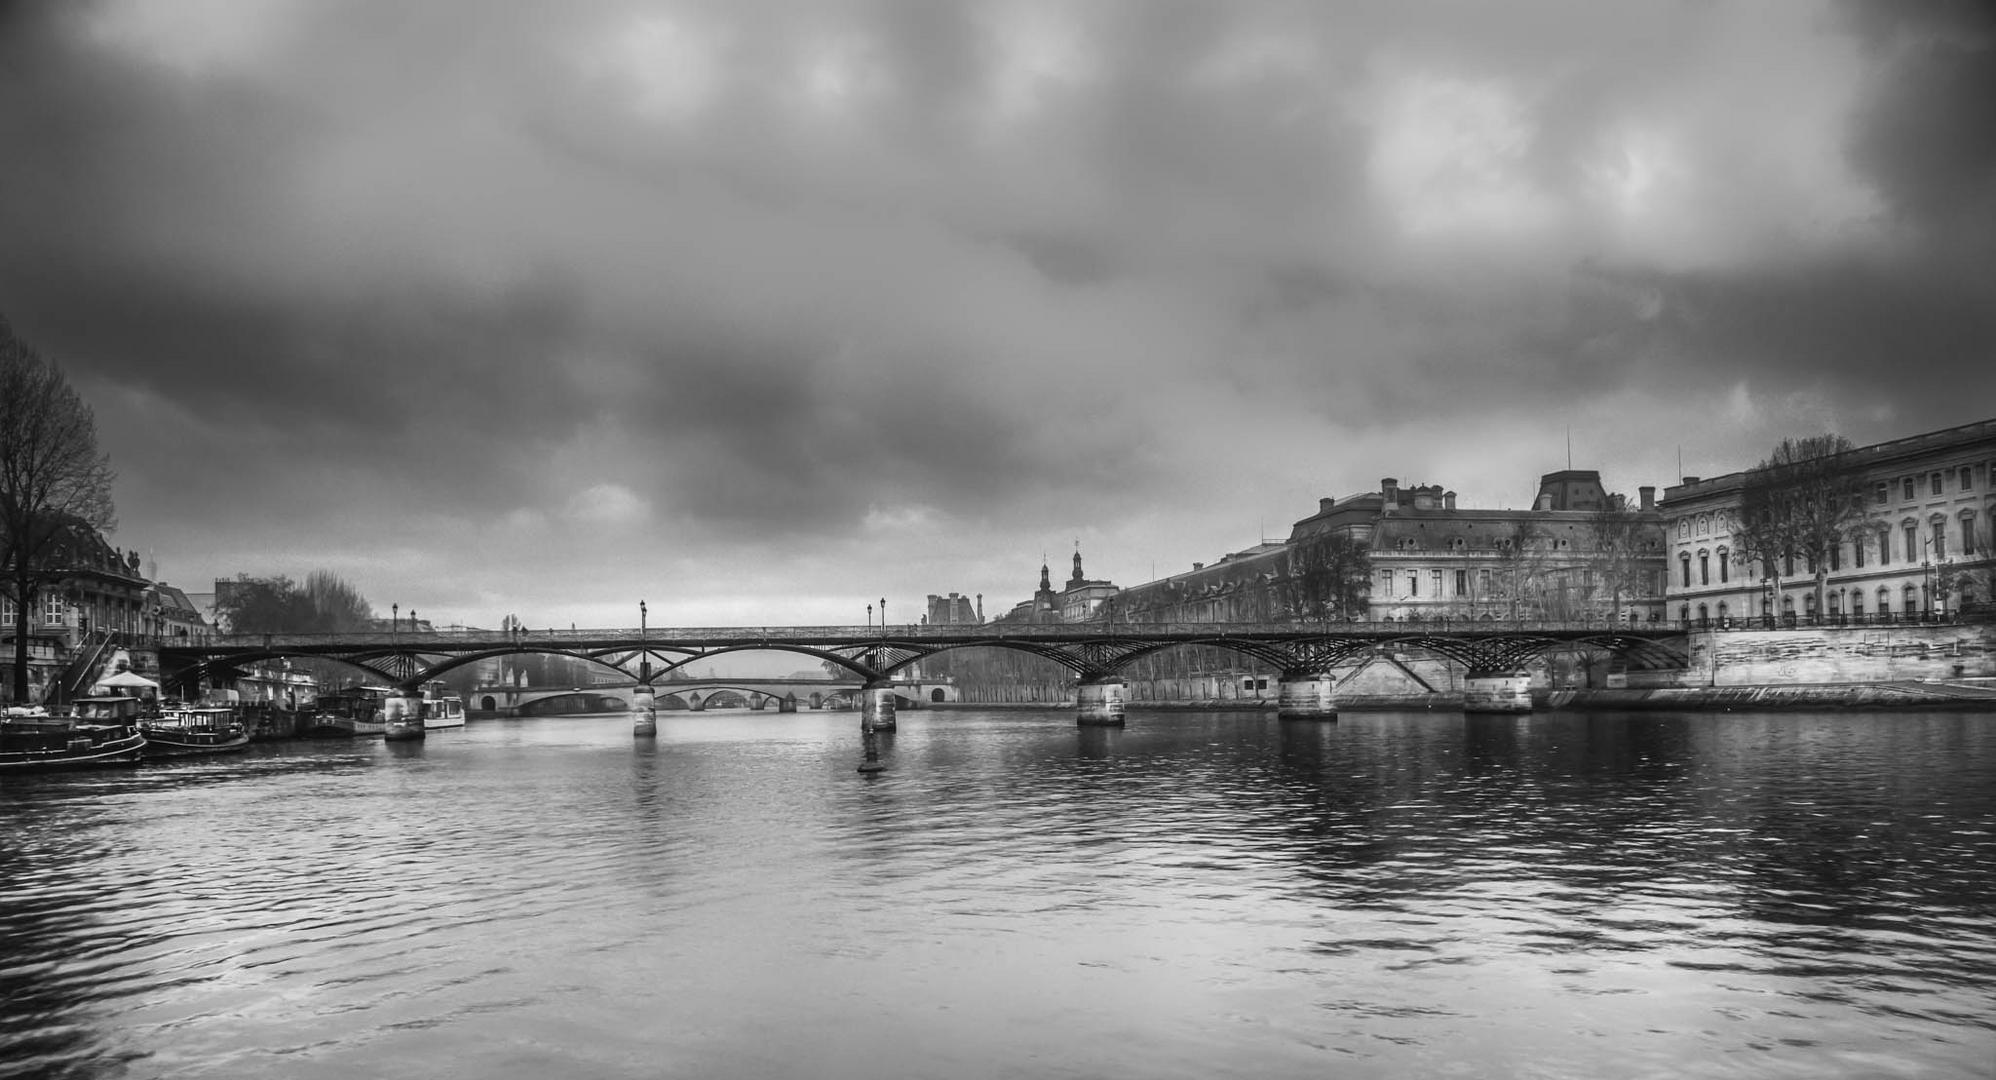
<point>869,616</point>
<point>883,613</point>
<point>394,618</point>
<point>644,651</point>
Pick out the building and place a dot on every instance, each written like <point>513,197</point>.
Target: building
<point>1919,547</point>
<point>1578,553</point>
<point>95,598</point>
<point>954,610</point>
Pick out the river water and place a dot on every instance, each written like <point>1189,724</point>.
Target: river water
<point>1199,895</point>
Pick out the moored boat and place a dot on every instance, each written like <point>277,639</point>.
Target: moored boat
<point>442,709</point>
<point>194,730</point>
<point>349,713</point>
<point>102,734</point>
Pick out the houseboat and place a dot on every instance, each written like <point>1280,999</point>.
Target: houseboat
<point>194,729</point>
<point>356,711</point>
<point>103,732</point>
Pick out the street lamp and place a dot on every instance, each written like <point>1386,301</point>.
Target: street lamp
<point>883,613</point>
<point>869,616</point>
<point>394,618</point>
<point>644,651</point>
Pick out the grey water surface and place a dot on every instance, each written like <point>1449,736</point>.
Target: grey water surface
<point>1199,895</point>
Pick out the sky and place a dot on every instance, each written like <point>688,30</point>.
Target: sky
<point>762,312</point>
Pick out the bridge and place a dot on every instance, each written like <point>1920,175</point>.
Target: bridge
<point>697,695</point>
<point>1493,652</point>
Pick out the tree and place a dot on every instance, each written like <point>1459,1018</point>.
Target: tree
<point>325,604</point>
<point>52,474</point>
<point>1800,503</point>
<point>1330,577</point>
<point>1624,551</point>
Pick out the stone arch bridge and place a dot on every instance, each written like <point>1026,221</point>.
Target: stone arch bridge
<point>1493,652</point>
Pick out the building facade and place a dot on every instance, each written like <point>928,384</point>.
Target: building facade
<point>1919,547</point>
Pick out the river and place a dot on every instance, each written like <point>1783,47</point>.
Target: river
<point>1199,895</point>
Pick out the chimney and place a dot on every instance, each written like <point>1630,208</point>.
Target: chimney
<point>1198,566</point>
<point>1389,488</point>
<point>1648,493</point>
<point>1688,480</point>
<point>1448,500</point>
<point>1324,505</point>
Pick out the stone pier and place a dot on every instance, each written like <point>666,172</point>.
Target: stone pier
<point>1100,701</point>
<point>644,713</point>
<point>1496,692</point>
<point>876,705</point>
<point>1306,696</point>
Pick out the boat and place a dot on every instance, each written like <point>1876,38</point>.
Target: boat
<point>349,713</point>
<point>442,709</point>
<point>101,733</point>
<point>403,716</point>
<point>194,729</point>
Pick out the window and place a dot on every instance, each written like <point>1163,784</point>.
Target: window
<point>1906,488</point>
<point>1704,569</point>
<point>1836,557</point>
<point>1684,612</point>
<point>1881,492</point>
<point>1435,580</point>
<point>1386,583</point>
<point>1725,561</point>
<point>1788,564</point>
<point>1934,483</point>
<point>1857,603</point>
<point>1462,583</point>
<point>1884,600</point>
<point>1938,527</point>
<point>1912,541</point>
<point>1684,563</point>
<point>1413,583</point>
<point>1857,550</point>
<point>1704,614</point>
<point>1885,547</point>
<point>1967,476</point>
<point>1483,581</point>
<point>1968,534</point>
<point>52,607</point>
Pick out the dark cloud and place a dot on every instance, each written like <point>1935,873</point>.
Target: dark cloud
<point>905,289</point>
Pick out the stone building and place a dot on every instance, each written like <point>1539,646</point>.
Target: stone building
<point>1919,548</point>
<point>96,597</point>
<point>954,610</point>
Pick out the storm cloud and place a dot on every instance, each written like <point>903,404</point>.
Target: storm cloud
<point>765,310</point>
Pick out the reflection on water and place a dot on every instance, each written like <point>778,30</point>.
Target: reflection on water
<point>1196,895</point>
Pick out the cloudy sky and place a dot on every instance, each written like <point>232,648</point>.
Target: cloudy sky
<point>759,311</point>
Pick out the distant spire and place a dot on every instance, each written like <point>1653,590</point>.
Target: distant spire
<point>1046,576</point>
<point>1078,578</point>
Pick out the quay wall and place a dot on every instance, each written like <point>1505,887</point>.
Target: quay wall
<point>1854,654</point>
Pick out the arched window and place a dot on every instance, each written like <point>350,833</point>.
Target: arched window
<point>1684,612</point>
<point>1967,533</point>
<point>1909,601</point>
<point>1722,612</point>
<point>1704,615</point>
<point>1884,600</point>
<point>1857,603</point>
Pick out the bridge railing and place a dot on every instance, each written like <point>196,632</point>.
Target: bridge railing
<point>626,637</point>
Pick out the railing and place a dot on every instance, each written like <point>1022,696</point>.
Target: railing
<point>1792,621</point>
<point>665,637</point>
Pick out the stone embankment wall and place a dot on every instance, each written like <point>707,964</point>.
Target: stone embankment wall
<point>1857,654</point>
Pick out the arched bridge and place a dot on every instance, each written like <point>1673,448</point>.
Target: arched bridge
<point>1093,651</point>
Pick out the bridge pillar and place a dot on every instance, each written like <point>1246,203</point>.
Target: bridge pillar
<point>1487,691</point>
<point>696,703</point>
<point>402,715</point>
<point>755,702</point>
<point>788,703</point>
<point>644,713</point>
<point>1306,696</point>
<point>876,706</point>
<point>1099,701</point>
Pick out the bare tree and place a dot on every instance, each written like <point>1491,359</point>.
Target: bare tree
<point>52,475</point>
<point>1800,503</point>
<point>1329,578</point>
<point>1624,553</point>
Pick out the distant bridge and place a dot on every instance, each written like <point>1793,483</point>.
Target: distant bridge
<point>876,654</point>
